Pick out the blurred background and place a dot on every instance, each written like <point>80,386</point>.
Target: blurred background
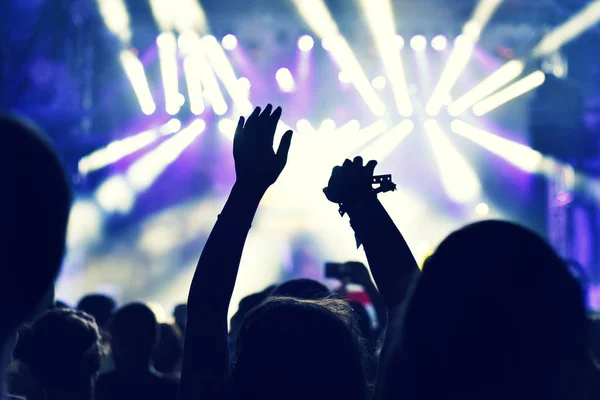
<point>478,109</point>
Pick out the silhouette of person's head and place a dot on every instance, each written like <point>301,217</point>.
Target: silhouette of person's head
<point>99,306</point>
<point>302,288</point>
<point>298,349</point>
<point>495,314</point>
<point>134,331</point>
<point>364,323</point>
<point>36,203</point>
<point>180,315</point>
<point>62,350</point>
<point>169,350</point>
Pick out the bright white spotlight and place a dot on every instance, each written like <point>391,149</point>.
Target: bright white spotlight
<point>418,43</point>
<point>224,70</point>
<point>116,18</point>
<point>115,195</point>
<point>344,77</point>
<point>501,77</point>
<point>244,83</point>
<point>568,31</point>
<point>119,149</point>
<point>316,14</point>
<point>380,18</point>
<point>85,223</point>
<point>227,127</point>
<point>305,43</point>
<point>379,82</point>
<point>461,53</point>
<point>304,126</point>
<point>142,174</point>
<point>439,43</point>
<point>285,80</point>
<point>167,52</point>
<point>521,156</point>
<point>194,85</point>
<point>458,178</point>
<point>515,90</point>
<point>137,76</point>
<point>399,42</point>
<point>229,42</point>
<point>384,145</point>
<point>327,126</point>
<point>482,209</point>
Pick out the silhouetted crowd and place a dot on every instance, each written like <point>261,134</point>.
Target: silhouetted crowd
<point>494,313</point>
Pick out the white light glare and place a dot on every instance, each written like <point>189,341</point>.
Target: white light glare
<point>124,147</point>
<point>379,82</point>
<point>327,126</point>
<point>116,18</point>
<point>482,209</point>
<point>399,42</point>
<point>137,76</point>
<point>439,42</point>
<point>515,90</point>
<point>115,195</point>
<point>489,85</point>
<point>521,156</point>
<point>418,43</point>
<point>568,31</point>
<point>85,223</point>
<point>305,43</point>
<point>227,127</point>
<point>458,178</point>
<point>194,85</point>
<point>142,174</point>
<point>229,42</point>
<point>167,52</point>
<point>285,80</point>
<point>384,145</point>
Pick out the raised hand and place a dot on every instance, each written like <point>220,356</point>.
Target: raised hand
<point>351,183</point>
<point>257,165</point>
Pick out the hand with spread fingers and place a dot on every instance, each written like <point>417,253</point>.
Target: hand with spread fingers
<point>257,165</point>
<point>351,183</point>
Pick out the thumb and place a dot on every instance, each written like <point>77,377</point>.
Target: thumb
<point>284,148</point>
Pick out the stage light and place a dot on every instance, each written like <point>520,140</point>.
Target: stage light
<point>115,16</point>
<point>115,195</point>
<point>227,127</point>
<point>569,30</point>
<point>142,174</point>
<point>384,145</point>
<point>439,42</point>
<point>379,82</point>
<point>304,126</point>
<point>187,16</point>
<point>515,90</point>
<point>167,52</point>
<point>316,14</point>
<point>229,42</point>
<point>194,85</point>
<point>380,19</point>
<point>399,42</point>
<point>482,209</point>
<point>285,80</point>
<point>458,178</point>
<point>305,43</point>
<point>501,77</point>
<point>350,127</point>
<point>461,54</point>
<point>244,83</point>
<point>224,70</point>
<point>164,14</point>
<point>85,223</point>
<point>418,43</point>
<point>327,126</point>
<point>344,77</point>
<point>119,149</point>
<point>519,155</point>
<point>137,76</point>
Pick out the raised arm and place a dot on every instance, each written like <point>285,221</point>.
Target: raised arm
<point>205,367</point>
<point>390,259</point>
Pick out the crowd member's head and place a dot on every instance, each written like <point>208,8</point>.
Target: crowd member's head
<point>99,306</point>
<point>169,351</point>
<point>245,306</point>
<point>134,331</point>
<point>35,204</point>
<point>299,349</point>
<point>495,314</point>
<point>302,288</point>
<point>180,315</point>
<point>62,351</point>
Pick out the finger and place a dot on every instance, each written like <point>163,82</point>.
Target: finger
<point>370,167</point>
<point>273,121</point>
<point>267,112</point>
<point>347,163</point>
<point>358,161</point>
<point>284,148</point>
<point>239,132</point>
